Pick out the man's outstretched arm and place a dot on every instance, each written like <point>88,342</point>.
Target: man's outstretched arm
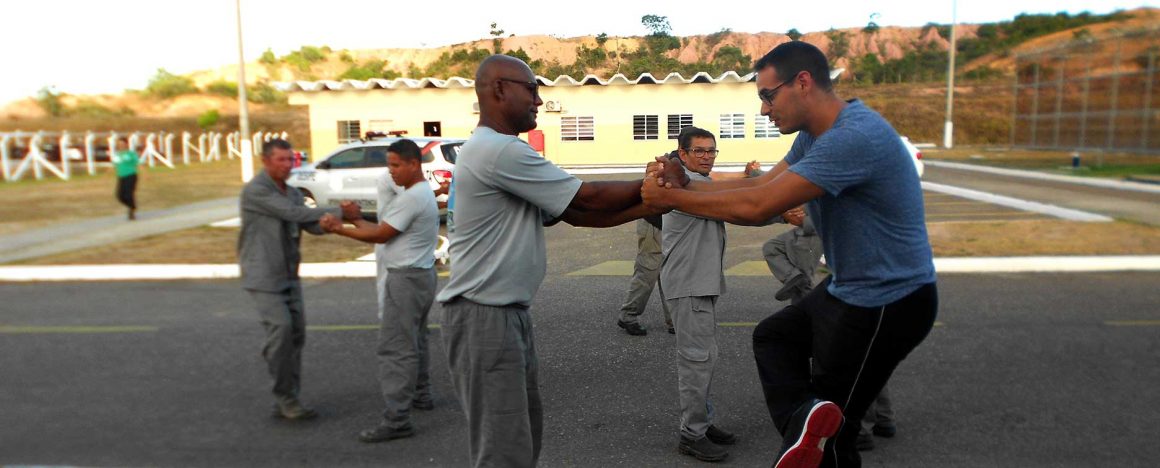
<point>745,206</point>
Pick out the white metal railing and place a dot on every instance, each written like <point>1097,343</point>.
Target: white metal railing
<point>22,153</point>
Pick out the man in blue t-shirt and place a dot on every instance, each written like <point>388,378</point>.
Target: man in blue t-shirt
<point>823,359</point>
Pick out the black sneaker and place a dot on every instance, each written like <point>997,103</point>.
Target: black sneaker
<point>805,437</point>
<point>702,449</point>
<point>864,442</point>
<point>719,436</point>
<point>383,433</point>
<point>632,328</point>
<point>885,430</point>
<point>792,287</point>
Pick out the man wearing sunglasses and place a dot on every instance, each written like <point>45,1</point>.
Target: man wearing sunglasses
<point>505,193</point>
<point>822,360</point>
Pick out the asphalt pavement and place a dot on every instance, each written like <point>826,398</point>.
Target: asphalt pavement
<point>1022,370</point>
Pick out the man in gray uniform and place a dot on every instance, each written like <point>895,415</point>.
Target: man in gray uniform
<point>793,255</point>
<point>505,193</point>
<point>692,278</point>
<point>407,231</point>
<point>645,273</point>
<point>273,216</point>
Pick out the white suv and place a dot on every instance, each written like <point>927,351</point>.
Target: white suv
<point>351,171</point>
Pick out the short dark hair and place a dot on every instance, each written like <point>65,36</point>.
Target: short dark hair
<point>685,138</point>
<point>794,57</point>
<point>269,146</point>
<point>406,149</point>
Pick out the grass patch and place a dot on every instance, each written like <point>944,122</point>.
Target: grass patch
<point>202,245</point>
<point>30,204</point>
<point>1110,165</point>
<point>954,239</point>
<point>1047,237</point>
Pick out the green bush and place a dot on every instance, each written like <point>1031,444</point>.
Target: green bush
<point>263,93</point>
<point>793,34</point>
<point>166,85</point>
<point>208,119</point>
<point>268,57</point>
<point>222,88</point>
<point>49,100</point>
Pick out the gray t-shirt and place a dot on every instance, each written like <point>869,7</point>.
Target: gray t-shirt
<point>387,191</point>
<point>871,217</point>
<point>694,250</point>
<point>504,192</point>
<point>415,215</point>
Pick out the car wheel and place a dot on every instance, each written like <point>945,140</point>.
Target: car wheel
<point>308,199</point>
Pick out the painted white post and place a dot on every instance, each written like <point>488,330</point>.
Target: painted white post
<point>215,148</point>
<point>169,137</point>
<point>90,152</point>
<point>202,140</point>
<point>233,147</point>
<point>34,155</point>
<point>65,160</point>
<point>5,141</point>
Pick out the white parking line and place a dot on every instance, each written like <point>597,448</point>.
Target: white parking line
<point>1090,181</point>
<point>1019,204</point>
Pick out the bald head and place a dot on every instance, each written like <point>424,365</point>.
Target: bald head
<point>499,66</point>
<point>508,94</point>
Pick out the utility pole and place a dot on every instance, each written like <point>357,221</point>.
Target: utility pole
<point>949,128</point>
<point>243,110</point>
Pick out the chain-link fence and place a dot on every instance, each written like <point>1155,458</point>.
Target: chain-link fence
<point>1090,95</point>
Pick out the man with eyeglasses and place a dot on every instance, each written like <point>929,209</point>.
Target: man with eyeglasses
<point>692,279</point>
<point>825,358</point>
<point>505,193</point>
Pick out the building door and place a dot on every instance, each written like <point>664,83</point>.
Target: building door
<point>432,129</point>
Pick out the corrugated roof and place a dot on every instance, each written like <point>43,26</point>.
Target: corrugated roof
<point>457,82</point>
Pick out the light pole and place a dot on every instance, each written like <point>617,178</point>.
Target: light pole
<point>949,128</point>
<point>243,110</point>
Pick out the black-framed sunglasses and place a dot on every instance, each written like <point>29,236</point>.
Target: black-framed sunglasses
<point>768,95</point>
<point>532,86</point>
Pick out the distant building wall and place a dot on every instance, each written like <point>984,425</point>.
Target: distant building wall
<point>597,124</point>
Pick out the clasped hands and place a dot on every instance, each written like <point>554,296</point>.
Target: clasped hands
<point>350,212</point>
<point>660,176</point>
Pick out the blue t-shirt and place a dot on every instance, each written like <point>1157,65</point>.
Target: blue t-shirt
<point>871,217</point>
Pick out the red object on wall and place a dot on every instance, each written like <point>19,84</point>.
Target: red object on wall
<point>536,139</point>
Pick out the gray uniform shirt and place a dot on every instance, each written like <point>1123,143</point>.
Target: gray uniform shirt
<point>387,191</point>
<point>694,251</point>
<point>268,242</point>
<point>415,215</point>
<point>504,192</point>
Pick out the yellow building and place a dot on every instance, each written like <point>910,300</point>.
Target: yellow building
<point>591,122</point>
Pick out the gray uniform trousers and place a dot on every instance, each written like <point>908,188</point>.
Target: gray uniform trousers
<point>794,252</point>
<point>696,325</point>
<point>491,354</point>
<point>402,350</point>
<point>880,412</point>
<point>645,273</point>
<point>283,316</point>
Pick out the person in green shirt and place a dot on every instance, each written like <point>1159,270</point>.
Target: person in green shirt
<point>126,162</point>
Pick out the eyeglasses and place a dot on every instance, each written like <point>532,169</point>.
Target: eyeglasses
<point>768,95</point>
<point>703,152</point>
<point>532,86</point>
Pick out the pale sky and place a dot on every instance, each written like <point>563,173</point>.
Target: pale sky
<point>87,46</point>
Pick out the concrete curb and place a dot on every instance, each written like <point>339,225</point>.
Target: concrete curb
<point>363,269</point>
<point>1094,182</point>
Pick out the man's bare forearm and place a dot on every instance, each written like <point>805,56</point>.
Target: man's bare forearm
<point>603,219</point>
<point>607,196</point>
